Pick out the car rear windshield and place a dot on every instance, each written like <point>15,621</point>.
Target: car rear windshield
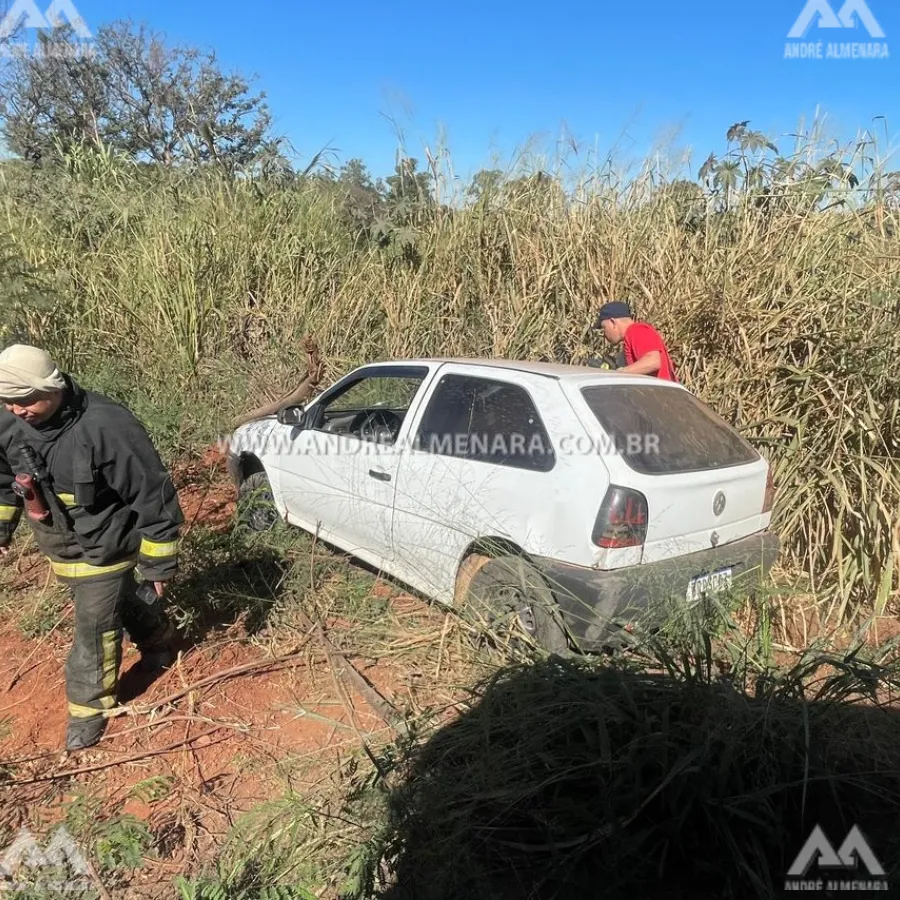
<point>661,430</point>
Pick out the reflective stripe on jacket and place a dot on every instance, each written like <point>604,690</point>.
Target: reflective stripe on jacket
<point>113,503</point>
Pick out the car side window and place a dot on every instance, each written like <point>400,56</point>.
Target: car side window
<point>485,420</point>
<point>372,408</point>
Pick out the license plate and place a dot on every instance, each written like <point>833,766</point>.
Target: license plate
<point>710,585</point>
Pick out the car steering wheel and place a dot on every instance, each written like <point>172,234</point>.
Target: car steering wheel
<point>379,426</point>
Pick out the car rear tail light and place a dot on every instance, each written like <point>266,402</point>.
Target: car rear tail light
<point>769,500</point>
<point>622,520</point>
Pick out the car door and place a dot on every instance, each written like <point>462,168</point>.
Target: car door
<point>339,477</point>
<point>478,465</point>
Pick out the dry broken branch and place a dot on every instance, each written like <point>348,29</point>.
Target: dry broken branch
<point>253,668</point>
<point>309,383</point>
<point>135,757</point>
<point>343,668</point>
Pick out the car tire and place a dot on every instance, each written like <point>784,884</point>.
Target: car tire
<point>512,599</point>
<point>256,508</point>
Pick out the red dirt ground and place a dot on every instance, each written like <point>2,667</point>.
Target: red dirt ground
<point>223,746</point>
<point>232,737</point>
<point>205,493</point>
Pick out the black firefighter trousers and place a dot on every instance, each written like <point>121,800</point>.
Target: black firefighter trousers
<point>105,608</point>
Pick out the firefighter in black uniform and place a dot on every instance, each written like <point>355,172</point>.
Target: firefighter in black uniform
<point>113,510</point>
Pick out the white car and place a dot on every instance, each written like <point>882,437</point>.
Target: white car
<point>564,499</point>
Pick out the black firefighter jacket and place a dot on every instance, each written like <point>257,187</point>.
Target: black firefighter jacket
<point>113,503</point>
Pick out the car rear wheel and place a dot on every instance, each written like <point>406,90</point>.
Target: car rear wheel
<point>256,508</point>
<point>513,601</point>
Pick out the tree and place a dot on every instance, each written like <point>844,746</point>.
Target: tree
<point>540,189</point>
<point>685,200</point>
<point>408,188</point>
<point>133,94</point>
<point>362,201</point>
<point>485,186</point>
<point>361,195</point>
<point>408,202</point>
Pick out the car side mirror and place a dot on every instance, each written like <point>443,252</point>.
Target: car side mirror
<point>292,415</point>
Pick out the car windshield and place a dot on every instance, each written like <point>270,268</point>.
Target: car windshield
<point>390,392</point>
<point>661,431</point>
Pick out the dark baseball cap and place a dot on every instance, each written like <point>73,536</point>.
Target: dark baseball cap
<point>616,309</point>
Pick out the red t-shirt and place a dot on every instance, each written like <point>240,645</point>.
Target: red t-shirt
<point>641,339</point>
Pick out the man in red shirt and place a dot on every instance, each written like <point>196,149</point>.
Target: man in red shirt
<point>644,349</point>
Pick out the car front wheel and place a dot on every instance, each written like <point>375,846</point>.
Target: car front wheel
<point>256,508</point>
<point>513,601</point>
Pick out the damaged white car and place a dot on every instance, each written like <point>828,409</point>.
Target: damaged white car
<point>562,500</point>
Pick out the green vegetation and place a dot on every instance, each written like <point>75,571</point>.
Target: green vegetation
<point>187,293</point>
<point>696,788</point>
<point>696,767</point>
<point>178,267</point>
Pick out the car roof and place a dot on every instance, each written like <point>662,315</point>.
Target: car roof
<point>559,371</point>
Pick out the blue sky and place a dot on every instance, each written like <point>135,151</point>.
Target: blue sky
<point>491,76</point>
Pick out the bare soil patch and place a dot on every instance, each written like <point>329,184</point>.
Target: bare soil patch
<point>188,768</point>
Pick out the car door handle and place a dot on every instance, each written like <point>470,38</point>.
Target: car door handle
<point>381,476</point>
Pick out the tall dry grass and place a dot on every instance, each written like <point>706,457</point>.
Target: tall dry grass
<point>776,286</point>
<point>567,779</point>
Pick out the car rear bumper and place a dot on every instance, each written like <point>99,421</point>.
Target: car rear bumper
<point>597,604</point>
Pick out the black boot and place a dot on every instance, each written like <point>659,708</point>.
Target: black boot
<point>157,660</point>
<point>84,733</point>
<point>158,654</point>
